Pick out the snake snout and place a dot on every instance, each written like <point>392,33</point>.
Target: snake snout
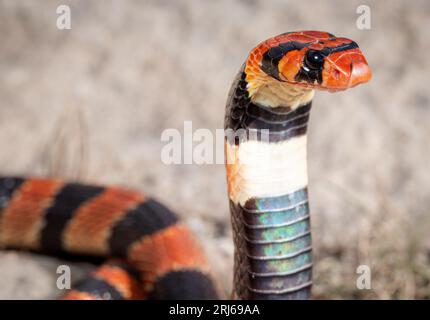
<point>345,70</point>
<point>354,65</point>
<point>360,73</point>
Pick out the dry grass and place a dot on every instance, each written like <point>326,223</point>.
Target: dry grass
<point>391,243</point>
<point>66,154</point>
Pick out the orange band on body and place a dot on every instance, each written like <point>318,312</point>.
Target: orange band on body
<point>173,248</point>
<point>121,280</point>
<point>78,295</point>
<point>22,220</point>
<point>89,230</point>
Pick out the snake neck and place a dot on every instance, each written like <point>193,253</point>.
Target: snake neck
<point>267,187</point>
<point>266,91</point>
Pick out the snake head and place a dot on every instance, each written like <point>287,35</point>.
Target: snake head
<point>312,59</point>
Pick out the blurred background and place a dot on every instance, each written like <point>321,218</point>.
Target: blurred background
<point>90,103</point>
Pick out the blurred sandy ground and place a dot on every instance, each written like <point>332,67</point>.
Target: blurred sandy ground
<point>90,104</point>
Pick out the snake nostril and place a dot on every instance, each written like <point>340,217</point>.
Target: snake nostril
<point>360,73</point>
<point>336,74</point>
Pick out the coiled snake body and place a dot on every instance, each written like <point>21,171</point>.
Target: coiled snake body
<point>154,254</point>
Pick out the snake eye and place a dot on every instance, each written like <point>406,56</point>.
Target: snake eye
<point>314,60</point>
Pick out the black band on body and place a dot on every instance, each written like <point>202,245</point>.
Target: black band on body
<point>184,285</point>
<point>100,289</point>
<point>257,117</point>
<point>281,123</point>
<point>258,121</point>
<point>147,218</point>
<point>276,115</point>
<point>66,202</point>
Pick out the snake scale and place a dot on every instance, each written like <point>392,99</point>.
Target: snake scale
<point>151,253</point>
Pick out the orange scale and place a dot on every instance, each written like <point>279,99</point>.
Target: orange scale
<point>88,231</point>
<point>171,249</point>
<point>78,295</point>
<point>22,220</point>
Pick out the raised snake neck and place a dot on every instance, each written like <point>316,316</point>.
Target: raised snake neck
<point>271,231</point>
<point>266,122</point>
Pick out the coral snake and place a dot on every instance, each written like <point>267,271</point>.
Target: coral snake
<point>151,253</point>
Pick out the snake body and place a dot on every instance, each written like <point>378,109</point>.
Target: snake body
<point>54,217</point>
<point>269,104</point>
<point>152,254</point>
